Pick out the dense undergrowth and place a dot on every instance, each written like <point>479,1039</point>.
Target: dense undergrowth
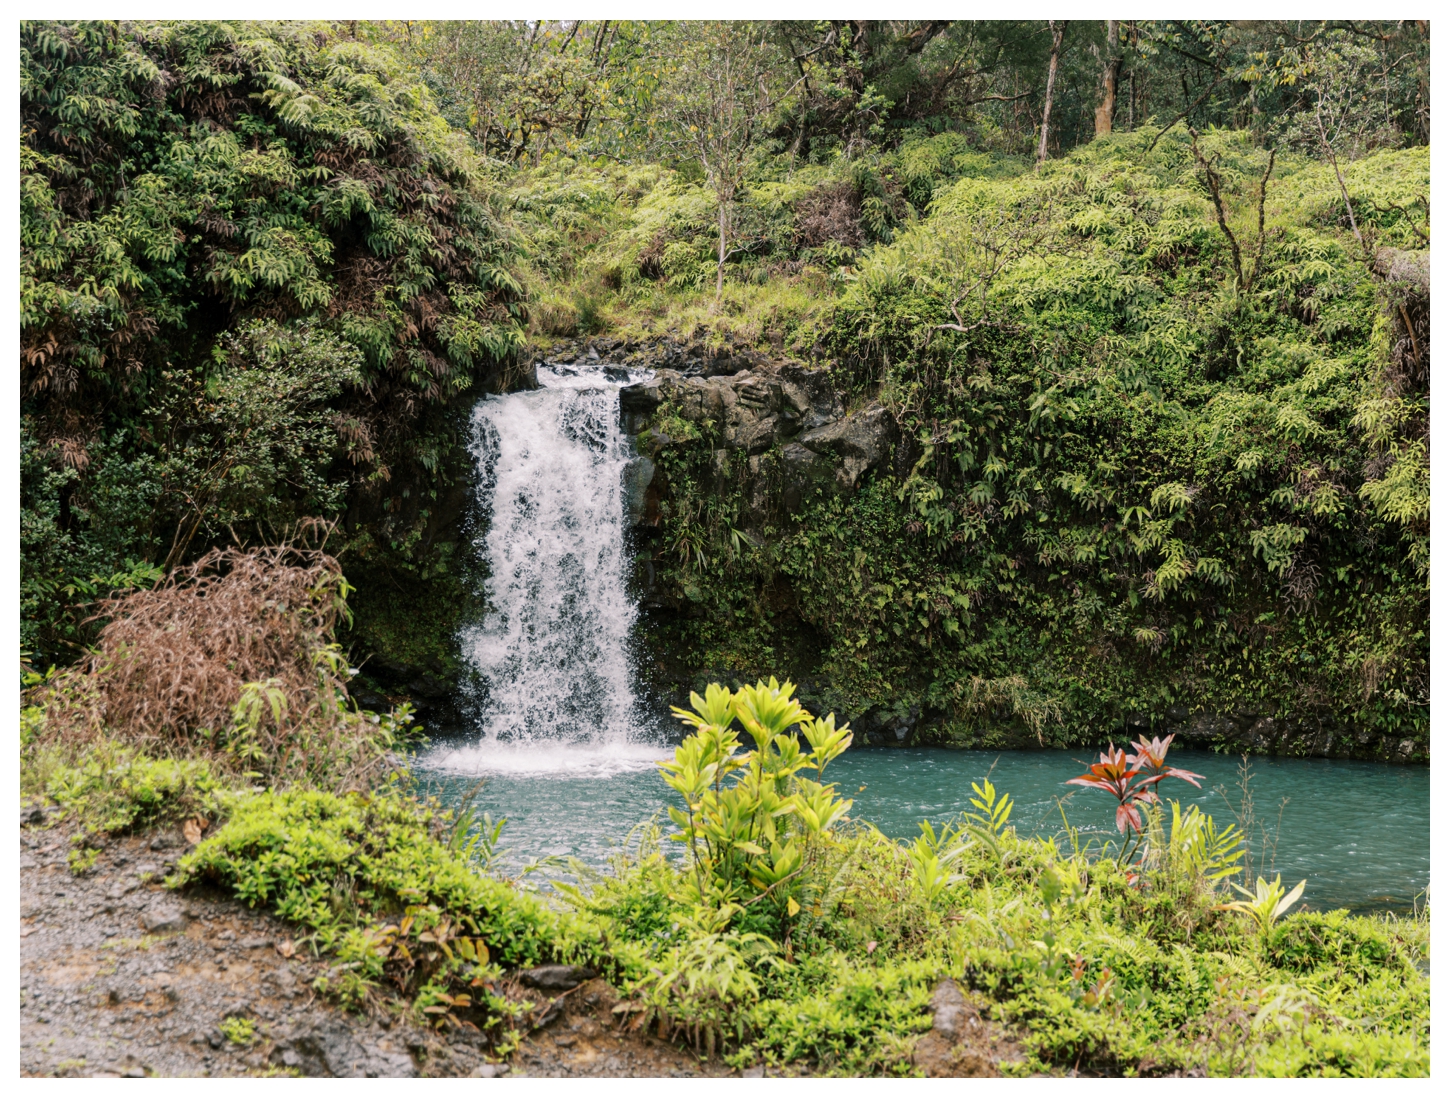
<point>261,277</point>
<point>1149,463</point>
<point>1163,410</point>
<point>779,929</point>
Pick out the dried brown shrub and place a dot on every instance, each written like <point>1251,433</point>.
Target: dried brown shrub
<point>829,213</point>
<point>233,658</point>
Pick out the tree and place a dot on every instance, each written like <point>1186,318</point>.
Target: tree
<point>719,96</point>
<point>1056,32</point>
<point>1112,69</point>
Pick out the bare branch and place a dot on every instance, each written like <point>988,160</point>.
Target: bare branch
<point>1215,190</point>
<point>1186,112</point>
<point>1263,195</point>
<point>1339,175</point>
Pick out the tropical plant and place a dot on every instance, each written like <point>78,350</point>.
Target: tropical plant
<point>1132,780</point>
<point>1266,903</point>
<point>700,986</point>
<point>474,835</point>
<point>750,839</point>
<point>1200,848</point>
<point>989,823</point>
<point>931,857</point>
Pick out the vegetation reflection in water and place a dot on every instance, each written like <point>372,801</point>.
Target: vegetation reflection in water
<point>1359,831</point>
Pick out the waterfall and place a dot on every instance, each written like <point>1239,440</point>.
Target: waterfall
<point>552,656</point>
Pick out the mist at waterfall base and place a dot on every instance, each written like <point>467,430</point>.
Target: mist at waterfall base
<point>568,751</point>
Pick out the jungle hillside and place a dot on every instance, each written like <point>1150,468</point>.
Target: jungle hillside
<point>1139,312</point>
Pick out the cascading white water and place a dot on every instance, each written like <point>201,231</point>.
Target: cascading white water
<point>552,656</point>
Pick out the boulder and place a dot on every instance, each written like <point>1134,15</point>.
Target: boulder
<point>644,397</point>
<point>802,473</point>
<point>960,1044</point>
<point>811,395</point>
<point>556,977</point>
<point>332,1048</point>
<point>163,918</point>
<point>639,474</point>
<point>854,444</point>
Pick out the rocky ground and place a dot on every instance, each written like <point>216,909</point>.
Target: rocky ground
<point>121,977</point>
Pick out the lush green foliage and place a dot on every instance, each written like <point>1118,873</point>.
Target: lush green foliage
<point>527,91</point>
<point>1134,484</point>
<point>1159,464</point>
<point>116,789</point>
<point>373,880</point>
<point>1082,961</point>
<point>1165,449</point>
<point>1098,966</point>
<point>202,203</point>
<point>753,836</point>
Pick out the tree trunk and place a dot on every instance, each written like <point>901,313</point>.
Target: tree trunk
<point>1051,79</point>
<point>1112,69</point>
<point>720,265</point>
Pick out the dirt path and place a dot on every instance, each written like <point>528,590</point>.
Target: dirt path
<point>119,977</point>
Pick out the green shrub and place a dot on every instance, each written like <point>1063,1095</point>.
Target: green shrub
<point>371,881</point>
<point>1333,939</point>
<point>295,852</point>
<point>754,838</point>
<point>118,789</point>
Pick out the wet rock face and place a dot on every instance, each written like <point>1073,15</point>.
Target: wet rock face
<point>854,444</point>
<point>791,410</point>
<point>1261,734</point>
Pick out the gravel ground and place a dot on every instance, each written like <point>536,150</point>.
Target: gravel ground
<point>119,977</point>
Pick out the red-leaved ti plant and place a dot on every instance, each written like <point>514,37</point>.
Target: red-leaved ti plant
<point>1151,758</point>
<point>1115,773</point>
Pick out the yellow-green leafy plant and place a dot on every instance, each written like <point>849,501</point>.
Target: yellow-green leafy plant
<point>699,987</point>
<point>1201,849</point>
<point>1266,903</point>
<point>990,822</point>
<point>239,1030</point>
<point>932,856</point>
<point>752,837</point>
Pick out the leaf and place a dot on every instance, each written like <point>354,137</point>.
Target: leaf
<point>1288,901</point>
<point>192,830</point>
<point>792,908</point>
